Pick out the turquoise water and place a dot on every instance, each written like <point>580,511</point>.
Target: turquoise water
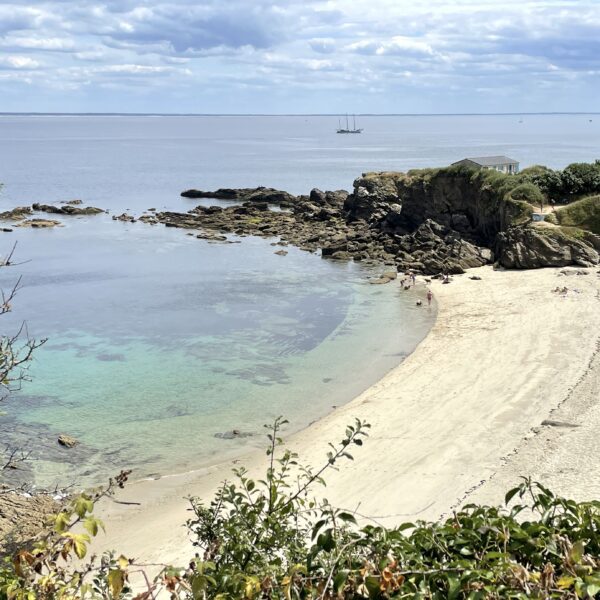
<point>158,341</point>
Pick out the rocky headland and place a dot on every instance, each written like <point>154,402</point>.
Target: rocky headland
<point>430,221</point>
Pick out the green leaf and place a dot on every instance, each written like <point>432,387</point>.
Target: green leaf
<point>510,495</point>
<point>592,589</point>
<point>91,525</point>
<point>116,581</point>
<point>80,541</point>
<point>454,588</point>
<point>347,517</point>
<point>326,541</point>
<point>577,551</point>
<point>61,522</point>
<point>339,581</point>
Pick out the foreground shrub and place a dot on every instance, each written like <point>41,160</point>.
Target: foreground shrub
<point>271,538</point>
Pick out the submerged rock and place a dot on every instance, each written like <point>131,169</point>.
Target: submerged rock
<point>233,434</point>
<point>39,223</point>
<point>67,441</point>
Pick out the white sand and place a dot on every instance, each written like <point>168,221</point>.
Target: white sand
<point>447,424</point>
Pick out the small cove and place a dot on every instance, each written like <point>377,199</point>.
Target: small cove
<point>158,342</point>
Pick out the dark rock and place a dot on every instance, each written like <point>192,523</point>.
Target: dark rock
<point>67,209</point>
<point>281,252</point>
<point>259,194</point>
<point>127,218</point>
<point>532,247</point>
<point>317,196</point>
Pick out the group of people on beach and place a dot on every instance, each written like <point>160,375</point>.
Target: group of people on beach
<point>409,280</point>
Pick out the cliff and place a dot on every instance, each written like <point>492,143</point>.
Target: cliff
<point>483,210</point>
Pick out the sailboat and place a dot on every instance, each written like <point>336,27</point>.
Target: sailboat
<point>340,129</point>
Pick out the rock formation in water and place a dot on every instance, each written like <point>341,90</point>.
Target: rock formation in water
<point>66,209</point>
<point>429,220</point>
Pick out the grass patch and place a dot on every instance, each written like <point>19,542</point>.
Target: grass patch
<point>584,214</point>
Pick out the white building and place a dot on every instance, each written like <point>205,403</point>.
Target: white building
<point>498,163</point>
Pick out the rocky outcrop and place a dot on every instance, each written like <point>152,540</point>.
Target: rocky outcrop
<point>39,223</point>
<point>533,247</point>
<point>16,214</point>
<point>435,248</point>
<point>451,219</point>
<point>431,221</point>
<point>259,194</point>
<point>124,217</point>
<point>22,518</point>
<point>401,202</point>
<point>66,209</point>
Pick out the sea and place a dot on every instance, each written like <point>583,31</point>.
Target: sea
<point>159,345</point>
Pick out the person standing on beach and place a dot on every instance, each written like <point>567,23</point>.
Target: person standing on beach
<point>429,297</point>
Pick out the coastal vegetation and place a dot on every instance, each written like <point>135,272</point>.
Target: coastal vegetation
<point>582,214</point>
<point>275,538</point>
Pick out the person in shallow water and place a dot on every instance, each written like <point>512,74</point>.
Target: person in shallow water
<point>429,297</point>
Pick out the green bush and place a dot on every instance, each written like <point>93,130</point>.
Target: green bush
<point>272,539</point>
<point>527,192</point>
<point>584,214</point>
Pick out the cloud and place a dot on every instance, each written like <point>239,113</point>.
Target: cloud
<point>396,46</point>
<point>369,53</point>
<point>38,43</point>
<point>18,62</point>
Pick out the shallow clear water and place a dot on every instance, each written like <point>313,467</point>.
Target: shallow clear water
<point>158,340</point>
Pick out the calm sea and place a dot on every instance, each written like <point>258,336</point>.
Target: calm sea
<point>158,341</point>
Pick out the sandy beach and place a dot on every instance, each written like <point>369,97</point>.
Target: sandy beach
<point>460,418</point>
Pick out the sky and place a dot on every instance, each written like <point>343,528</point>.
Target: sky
<point>299,56</point>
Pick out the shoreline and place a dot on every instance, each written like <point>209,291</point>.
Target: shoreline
<point>503,353</point>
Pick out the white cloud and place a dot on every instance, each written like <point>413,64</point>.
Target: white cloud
<point>38,43</point>
<point>18,62</point>
<point>308,49</point>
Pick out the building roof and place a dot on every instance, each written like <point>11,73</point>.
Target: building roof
<point>491,161</point>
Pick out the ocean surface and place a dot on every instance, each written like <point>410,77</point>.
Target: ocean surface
<point>159,342</point>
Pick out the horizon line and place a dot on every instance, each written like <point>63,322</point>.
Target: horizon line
<point>366,114</point>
